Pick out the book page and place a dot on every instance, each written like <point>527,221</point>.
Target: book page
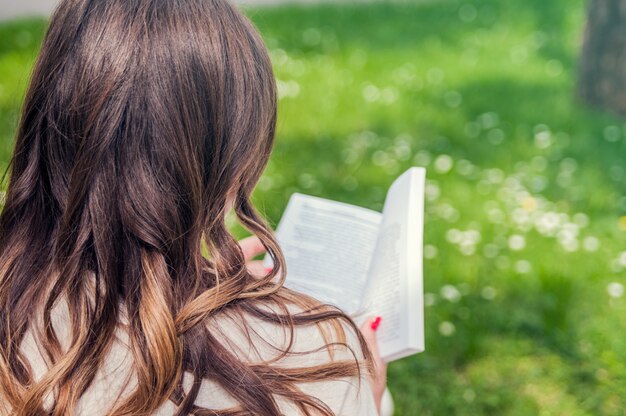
<point>395,290</point>
<point>328,248</point>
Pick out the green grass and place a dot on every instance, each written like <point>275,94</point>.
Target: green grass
<point>482,93</point>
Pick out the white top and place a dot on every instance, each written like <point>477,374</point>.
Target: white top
<point>343,396</point>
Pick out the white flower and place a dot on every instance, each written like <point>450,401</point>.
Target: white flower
<point>591,243</point>
<point>380,158</point>
<point>289,88</point>
<point>569,165</point>
<point>430,251</point>
<point>615,290</point>
<point>548,223</point>
<point>430,299</point>
<point>422,158</point>
<point>450,293</point>
<point>568,232</point>
<point>443,164</point>
<point>467,249</point>
<point>432,191</point>
<point>491,250</point>
<point>371,93</point>
<point>447,328</point>
<point>471,236</point>
<point>469,395</point>
<point>489,120</point>
<point>543,139</point>
<point>495,175</point>
<point>495,215</point>
<point>489,293</point>
<point>520,216</point>
<point>570,245</point>
<point>447,212</point>
<point>582,220</point>
<point>612,133</point>
<point>453,236</point>
<point>517,242</point>
<point>523,266</point>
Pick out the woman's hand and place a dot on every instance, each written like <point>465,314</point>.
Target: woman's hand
<point>252,247</point>
<point>379,378</point>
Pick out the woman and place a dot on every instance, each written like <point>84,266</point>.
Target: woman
<point>145,123</point>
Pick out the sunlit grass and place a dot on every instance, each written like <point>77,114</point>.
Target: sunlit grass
<point>525,267</point>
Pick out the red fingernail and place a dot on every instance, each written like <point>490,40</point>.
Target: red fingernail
<point>268,269</point>
<point>375,323</point>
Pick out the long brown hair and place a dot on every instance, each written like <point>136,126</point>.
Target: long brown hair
<point>142,121</point>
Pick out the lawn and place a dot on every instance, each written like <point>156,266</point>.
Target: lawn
<point>525,228</point>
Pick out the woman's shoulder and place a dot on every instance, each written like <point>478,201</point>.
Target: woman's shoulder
<point>307,344</point>
<point>269,329</point>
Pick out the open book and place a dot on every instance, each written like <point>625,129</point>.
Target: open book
<point>361,260</point>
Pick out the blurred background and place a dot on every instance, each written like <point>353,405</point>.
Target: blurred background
<point>516,109</point>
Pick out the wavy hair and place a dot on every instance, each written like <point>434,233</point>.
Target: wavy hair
<point>142,121</point>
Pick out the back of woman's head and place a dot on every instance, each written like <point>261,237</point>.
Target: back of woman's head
<point>144,120</point>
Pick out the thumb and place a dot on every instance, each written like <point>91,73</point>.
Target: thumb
<point>368,329</point>
<point>378,377</point>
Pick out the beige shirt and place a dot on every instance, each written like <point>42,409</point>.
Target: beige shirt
<point>346,397</point>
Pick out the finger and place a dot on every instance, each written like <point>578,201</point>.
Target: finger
<point>369,333</point>
<point>368,329</point>
<point>251,247</point>
<point>257,268</point>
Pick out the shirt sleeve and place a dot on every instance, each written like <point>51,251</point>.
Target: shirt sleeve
<point>348,396</point>
<point>345,396</point>
<point>358,396</point>
<point>358,400</point>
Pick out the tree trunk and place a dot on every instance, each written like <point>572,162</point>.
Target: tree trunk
<point>603,68</point>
